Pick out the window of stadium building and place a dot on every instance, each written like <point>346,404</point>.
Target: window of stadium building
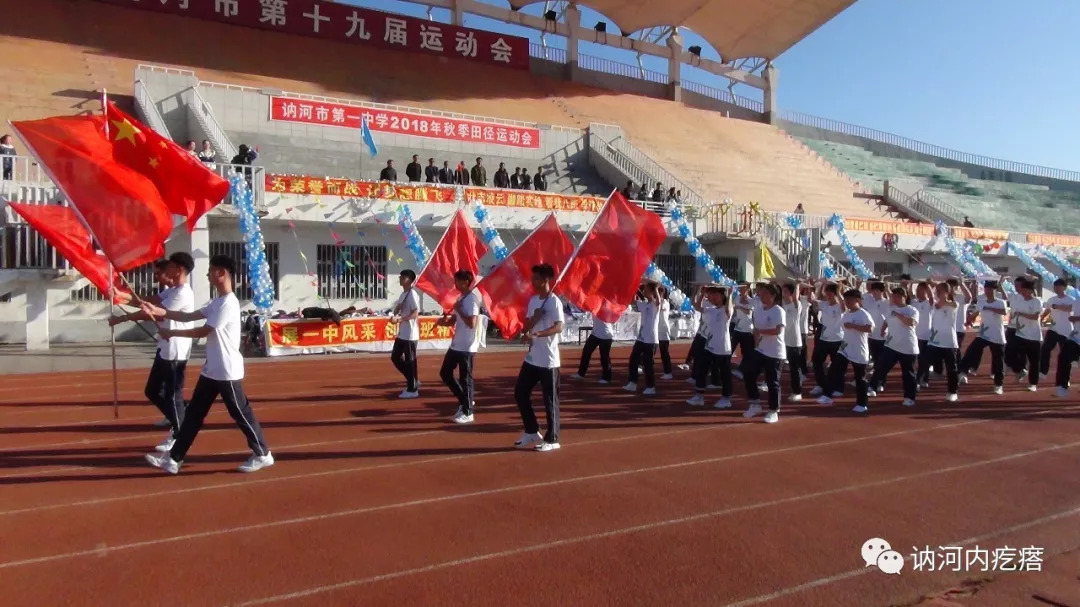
<point>141,280</point>
<point>888,268</point>
<point>731,267</point>
<point>351,272</point>
<point>680,269</point>
<point>236,250</point>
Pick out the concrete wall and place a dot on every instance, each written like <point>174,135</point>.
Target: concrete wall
<point>728,109</point>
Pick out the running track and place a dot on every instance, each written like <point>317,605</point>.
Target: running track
<point>376,501</point>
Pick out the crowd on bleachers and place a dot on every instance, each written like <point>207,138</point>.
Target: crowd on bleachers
<point>630,192</point>
<point>476,176</point>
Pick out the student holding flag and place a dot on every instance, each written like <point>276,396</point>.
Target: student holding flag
<point>542,362</point>
<point>403,355</point>
<point>465,318</point>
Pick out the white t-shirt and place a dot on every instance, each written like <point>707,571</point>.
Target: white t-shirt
<point>878,309</point>
<point>744,313</point>
<point>409,303</point>
<point>717,320</point>
<point>925,310</point>
<point>181,299</point>
<point>992,328</point>
<point>663,323</point>
<point>1060,318</point>
<point>832,329</point>
<point>943,327</point>
<point>767,319</point>
<point>601,329</point>
<point>703,327</point>
<point>223,359</point>
<point>544,351</point>
<point>961,312</point>
<point>465,338</point>
<point>856,348</point>
<point>1026,328</point>
<point>1075,334</point>
<point>902,338</point>
<point>793,335</point>
<point>804,315</point>
<point>649,330</point>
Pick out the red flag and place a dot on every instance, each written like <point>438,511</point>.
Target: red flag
<point>62,229</point>
<point>459,249</point>
<point>507,289</point>
<point>605,270</point>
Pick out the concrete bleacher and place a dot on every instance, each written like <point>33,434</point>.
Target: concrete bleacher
<point>993,204</point>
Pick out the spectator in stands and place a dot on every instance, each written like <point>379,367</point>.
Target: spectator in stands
<point>207,155</point>
<point>967,222</point>
<point>526,181</point>
<point>539,181</point>
<point>461,175</point>
<point>413,170</point>
<point>190,147</point>
<point>244,157</point>
<point>671,195</point>
<point>389,173</point>
<point>446,174</point>
<point>643,193</point>
<point>502,179</point>
<point>431,173</point>
<point>479,173</point>
<point>658,193</point>
<point>515,179</point>
<point>6,149</point>
<point>678,196</point>
<point>629,192</point>
<point>799,210</point>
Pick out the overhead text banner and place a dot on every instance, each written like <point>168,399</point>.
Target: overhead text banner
<point>375,334</point>
<point>858,224</point>
<point>305,111</point>
<point>355,25</point>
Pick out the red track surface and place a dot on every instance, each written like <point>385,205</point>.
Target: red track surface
<point>376,501</point>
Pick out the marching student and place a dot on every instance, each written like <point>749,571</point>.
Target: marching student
<point>648,305</point>
<point>924,305</point>
<point>768,355</point>
<point>742,328</point>
<point>165,385</point>
<point>858,324</point>
<point>403,355</point>
<point>715,357</point>
<point>806,297</point>
<point>700,339</point>
<point>664,334</point>
<point>963,300</point>
<point>541,333</point>
<point>991,311</point>
<point>465,317</point>
<point>942,343</point>
<point>794,307</point>
<point>222,375</point>
<point>1058,308</point>
<point>877,305</point>
<point>602,336</point>
<point>1070,353</point>
<point>827,345</point>
<point>901,345</point>
<point>1026,308</point>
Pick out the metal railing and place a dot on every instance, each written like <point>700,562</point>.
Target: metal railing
<point>20,169</point>
<point>164,69</point>
<point>627,70</point>
<point>149,110</point>
<point>638,166</point>
<point>204,115</point>
<point>722,95</point>
<point>928,148</point>
<point>549,53</point>
<point>256,176</point>
<point>926,207</point>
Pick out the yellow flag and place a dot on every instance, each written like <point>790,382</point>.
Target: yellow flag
<point>764,263</point>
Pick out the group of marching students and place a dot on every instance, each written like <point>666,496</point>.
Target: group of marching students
<point>870,326</point>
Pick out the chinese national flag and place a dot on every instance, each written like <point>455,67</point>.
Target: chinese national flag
<point>605,270</point>
<point>507,289</point>
<point>459,249</point>
<point>62,229</point>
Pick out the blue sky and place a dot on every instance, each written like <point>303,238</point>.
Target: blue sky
<point>991,77</point>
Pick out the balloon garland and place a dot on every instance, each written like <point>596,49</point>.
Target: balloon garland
<point>677,297</point>
<point>488,232</point>
<point>413,241</point>
<point>836,222</point>
<point>827,268</point>
<point>1063,263</point>
<point>678,219</point>
<point>953,247</point>
<point>796,223</point>
<point>262,287</point>
<point>1047,276</point>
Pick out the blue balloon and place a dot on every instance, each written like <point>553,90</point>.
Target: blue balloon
<point>694,247</point>
<point>676,214</point>
<point>684,231</point>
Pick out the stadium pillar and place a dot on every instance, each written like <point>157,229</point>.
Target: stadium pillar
<point>573,23</point>
<point>674,69</point>
<point>200,252</point>
<point>37,315</point>
<point>457,13</point>
<point>771,110</point>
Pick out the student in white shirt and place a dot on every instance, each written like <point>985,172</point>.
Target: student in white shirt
<point>648,305</point>
<point>715,357</point>
<point>963,300</point>
<point>165,385</point>
<point>742,327</point>
<point>1026,308</point>
<point>403,355</point>
<point>876,303</point>
<point>700,339</point>
<point>602,336</point>
<point>664,332</point>
<point>769,355</point>
<point>991,310</point>
<point>1070,353</point>
<point>806,297</point>
<point>1058,308</point>
<point>222,375</point>
<point>924,305</point>
<point>858,324</point>
<point>542,329</point>
<point>942,344</point>
<point>465,318</point>
<point>901,345</point>
<point>827,345</point>
<point>794,307</point>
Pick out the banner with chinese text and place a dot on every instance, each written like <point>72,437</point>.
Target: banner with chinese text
<point>354,25</point>
<point>369,334</point>
<point>306,111</point>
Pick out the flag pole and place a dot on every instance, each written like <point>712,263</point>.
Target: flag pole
<point>112,284</point>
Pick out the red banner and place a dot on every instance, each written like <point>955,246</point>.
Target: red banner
<point>288,109</point>
<point>352,331</point>
<point>354,25</point>
<point>427,192</point>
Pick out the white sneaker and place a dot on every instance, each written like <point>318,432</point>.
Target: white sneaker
<point>418,384</point>
<point>547,447</point>
<point>851,383</point>
<point>824,400</point>
<point>257,462</point>
<point>817,391</point>
<point>684,367</point>
<point>771,417</point>
<point>795,398</point>
<point>762,388</point>
<point>723,403</point>
<point>1061,392</point>
<point>924,384</point>
<point>630,387</point>
<point>648,392</point>
<point>166,445</point>
<point>577,376</point>
<point>753,410</point>
<point>1021,376</point>
<point>697,400</point>
<point>640,371</point>
<point>528,440</point>
<point>713,387</point>
<point>461,418</point>
<point>667,376</point>
<point>164,462</point>
<point>860,409</point>
<point>837,394</point>
<point>603,381</point>
<point>952,398</point>
<point>963,378</point>
<point>407,394</point>
<point>908,402</point>
<point>871,393</point>
<point>972,373</point>
<point>999,390</point>
<point>1031,388</point>
<point>162,423</point>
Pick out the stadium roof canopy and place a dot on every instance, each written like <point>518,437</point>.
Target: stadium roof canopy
<point>735,28</point>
